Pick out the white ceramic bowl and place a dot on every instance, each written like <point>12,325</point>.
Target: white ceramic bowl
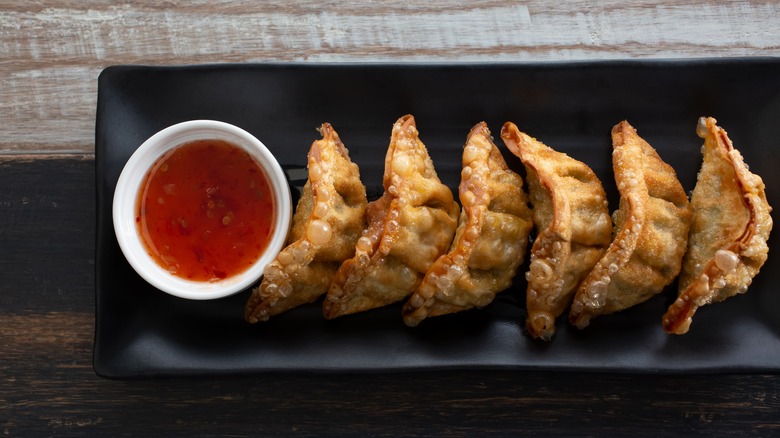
<point>132,177</point>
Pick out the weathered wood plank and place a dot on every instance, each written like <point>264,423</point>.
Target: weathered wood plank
<point>47,387</point>
<point>53,51</point>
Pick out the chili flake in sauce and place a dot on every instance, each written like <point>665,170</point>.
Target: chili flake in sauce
<point>205,211</point>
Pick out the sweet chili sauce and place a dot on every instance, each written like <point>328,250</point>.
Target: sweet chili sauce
<point>205,210</point>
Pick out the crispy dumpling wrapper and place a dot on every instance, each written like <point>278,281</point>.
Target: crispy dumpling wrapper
<point>651,232</point>
<point>573,223</point>
<point>409,227</point>
<point>729,230</point>
<point>327,223</point>
<point>490,240</point>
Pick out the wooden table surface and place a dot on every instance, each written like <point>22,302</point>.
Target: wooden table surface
<point>51,53</point>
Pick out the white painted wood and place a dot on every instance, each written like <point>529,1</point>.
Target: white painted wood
<point>52,52</point>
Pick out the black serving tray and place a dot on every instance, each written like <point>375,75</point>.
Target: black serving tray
<point>570,106</point>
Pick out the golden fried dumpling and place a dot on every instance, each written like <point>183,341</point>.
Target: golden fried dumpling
<point>573,223</point>
<point>651,232</point>
<point>730,227</point>
<point>327,223</point>
<point>490,240</point>
<point>409,227</point>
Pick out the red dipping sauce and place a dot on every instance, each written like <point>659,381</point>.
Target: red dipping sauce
<point>205,210</point>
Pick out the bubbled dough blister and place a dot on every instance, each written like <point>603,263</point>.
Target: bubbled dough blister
<point>573,223</point>
<point>327,223</point>
<point>651,232</point>
<point>490,240</point>
<point>729,230</point>
<point>409,227</point>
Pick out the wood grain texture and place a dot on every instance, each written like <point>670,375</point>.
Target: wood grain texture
<point>53,51</point>
<point>47,386</point>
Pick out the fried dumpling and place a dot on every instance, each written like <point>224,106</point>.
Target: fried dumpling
<point>573,223</point>
<point>328,221</point>
<point>409,227</point>
<point>490,240</point>
<point>730,227</point>
<point>651,232</point>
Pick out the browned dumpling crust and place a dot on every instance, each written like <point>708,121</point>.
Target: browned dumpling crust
<point>409,227</point>
<point>573,223</point>
<point>651,232</point>
<point>729,231</point>
<point>328,221</point>
<point>490,240</point>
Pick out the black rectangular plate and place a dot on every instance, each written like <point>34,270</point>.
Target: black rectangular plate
<point>569,106</point>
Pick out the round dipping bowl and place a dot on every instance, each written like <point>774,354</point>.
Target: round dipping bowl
<point>133,176</point>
